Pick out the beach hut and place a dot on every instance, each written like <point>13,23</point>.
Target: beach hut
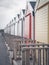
<point>42,21</point>
<point>30,21</point>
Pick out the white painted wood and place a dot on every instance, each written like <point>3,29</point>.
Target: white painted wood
<point>16,28</point>
<point>12,29</point>
<point>20,28</point>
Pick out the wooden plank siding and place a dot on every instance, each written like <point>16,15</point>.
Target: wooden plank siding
<point>42,24</point>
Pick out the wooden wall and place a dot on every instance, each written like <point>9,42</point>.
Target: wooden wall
<point>42,24</point>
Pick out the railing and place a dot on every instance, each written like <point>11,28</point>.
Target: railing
<point>38,52</point>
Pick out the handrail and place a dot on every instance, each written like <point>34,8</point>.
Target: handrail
<point>33,48</point>
<point>34,44</point>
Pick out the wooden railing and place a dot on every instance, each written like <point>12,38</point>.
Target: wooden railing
<point>39,54</point>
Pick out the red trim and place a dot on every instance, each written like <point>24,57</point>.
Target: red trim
<point>34,27</point>
<point>30,28</point>
<point>28,14</point>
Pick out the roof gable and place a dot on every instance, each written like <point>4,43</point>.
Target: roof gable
<point>33,4</point>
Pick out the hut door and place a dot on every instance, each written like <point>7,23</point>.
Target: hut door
<point>28,26</point>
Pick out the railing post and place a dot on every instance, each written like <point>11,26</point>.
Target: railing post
<point>33,56</point>
<point>43,54</point>
<point>39,56</point>
<point>47,57</point>
<point>15,51</point>
<point>27,60</point>
<point>23,57</point>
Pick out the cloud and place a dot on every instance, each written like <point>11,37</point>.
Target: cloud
<point>11,3</point>
<point>8,9</point>
<point>8,3</point>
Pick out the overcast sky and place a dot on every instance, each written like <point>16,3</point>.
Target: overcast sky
<point>8,9</point>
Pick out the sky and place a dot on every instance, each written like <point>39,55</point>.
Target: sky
<point>9,9</point>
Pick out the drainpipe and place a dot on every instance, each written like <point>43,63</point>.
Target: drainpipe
<point>18,28</point>
<point>18,24</point>
<point>22,29</point>
<point>10,27</point>
<point>14,24</point>
<point>33,26</point>
<point>14,28</point>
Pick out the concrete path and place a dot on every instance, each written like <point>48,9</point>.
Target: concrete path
<point>4,58</point>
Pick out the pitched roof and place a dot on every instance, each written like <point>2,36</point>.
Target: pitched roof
<point>32,4</point>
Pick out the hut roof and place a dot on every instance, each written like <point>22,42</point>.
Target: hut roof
<point>32,4</point>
